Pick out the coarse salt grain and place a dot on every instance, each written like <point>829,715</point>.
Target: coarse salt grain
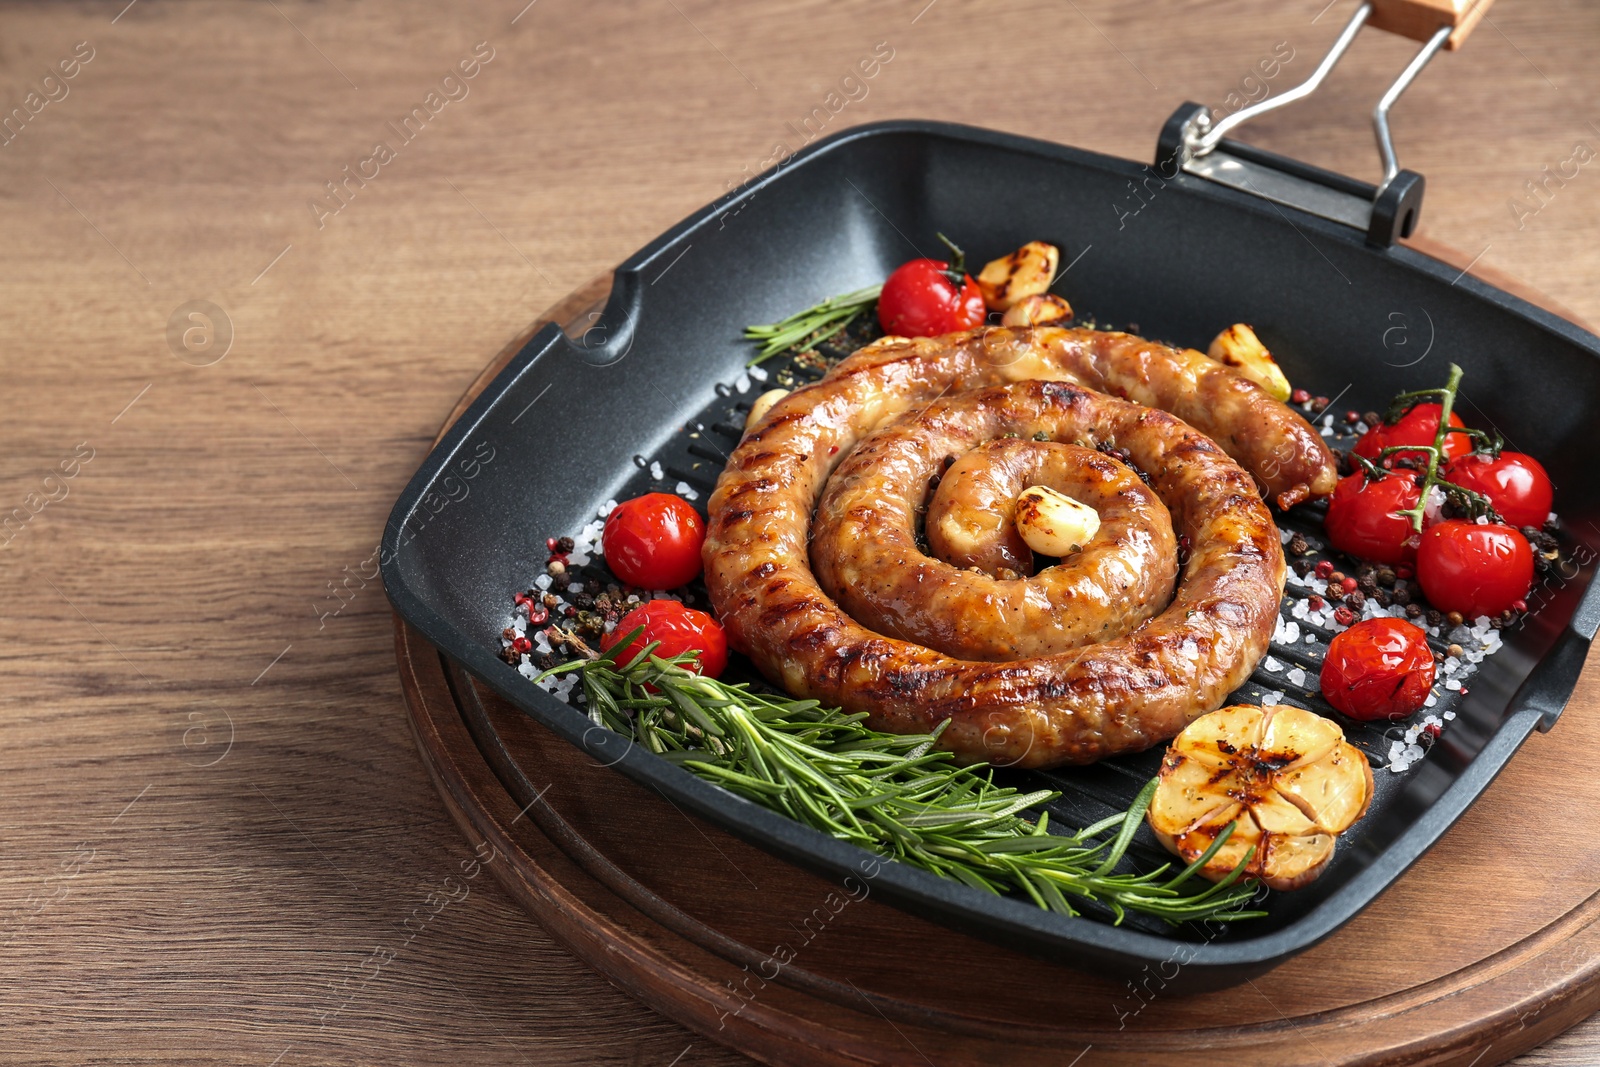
<point>758,373</point>
<point>655,470</point>
<point>1296,676</point>
<point>1272,664</point>
<point>742,383</point>
<point>686,491</point>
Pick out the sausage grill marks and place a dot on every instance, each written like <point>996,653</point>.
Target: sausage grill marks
<point>892,413</point>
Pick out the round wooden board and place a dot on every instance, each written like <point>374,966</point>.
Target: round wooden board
<point>1488,947</point>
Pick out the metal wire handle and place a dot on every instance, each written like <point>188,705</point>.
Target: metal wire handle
<point>1204,136</point>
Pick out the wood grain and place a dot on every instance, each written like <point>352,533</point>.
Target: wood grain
<point>216,824</point>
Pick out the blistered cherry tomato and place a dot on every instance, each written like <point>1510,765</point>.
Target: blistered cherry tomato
<point>1476,569</point>
<point>920,300</point>
<point>1515,484</point>
<point>1416,427</point>
<point>1361,517</point>
<point>653,541</point>
<point>1378,669</point>
<point>679,629</point>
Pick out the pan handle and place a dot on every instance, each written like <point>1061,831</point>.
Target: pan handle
<point>1190,141</point>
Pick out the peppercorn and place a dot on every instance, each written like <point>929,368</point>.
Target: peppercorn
<point>569,612</point>
<point>1413,611</point>
<point>1300,396</point>
<point>584,601</point>
<point>1403,571</point>
<point>565,545</point>
<point>550,543</point>
<point>1352,417</point>
<point>1371,418</point>
<point>1302,567</point>
<point>1454,650</point>
<point>556,566</point>
<point>538,616</point>
<point>1529,532</point>
<point>1041,436</point>
<point>1336,578</point>
<point>1435,617</point>
<point>1401,594</point>
<point>1344,616</point>
<point>1455,618</point>
<point>1325,569</point>
<point>1368,584</point>
<point>1356,599</point>
<point>1348,584</point>
<point>1316,603</point>
<point>521,644</point>
<point>1385,576</point>
<point>1383,597</point>
<point>1298,546</point>
<point>510,655</point>
<point>551,601</point>
<point>509,634</point>
<point>1519,605</point>
<point>1319,405</point>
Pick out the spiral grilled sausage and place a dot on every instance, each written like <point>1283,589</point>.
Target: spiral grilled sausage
<point>864,551</point>
<point>1120,695</point>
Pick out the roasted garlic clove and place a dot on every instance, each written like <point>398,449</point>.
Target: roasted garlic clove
<point>1239,347</point>
<point>1054,524</point>
<point>1026,272</point>
<point>762,405</point>
<point>1286,779</point>
<point>1037,310</point>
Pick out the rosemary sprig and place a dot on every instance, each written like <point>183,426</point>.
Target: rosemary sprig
<point>1469,501</point>
<point>895,795</point>
<point>813,325</point>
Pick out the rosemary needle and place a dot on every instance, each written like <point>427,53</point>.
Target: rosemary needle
<point>813,325</point>
<point>895,795</point>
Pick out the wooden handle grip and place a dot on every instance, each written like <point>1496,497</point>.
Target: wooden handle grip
<point>1421,19</point>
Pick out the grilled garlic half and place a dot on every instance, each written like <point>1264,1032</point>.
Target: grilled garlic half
<point>1285,777</point>
<point>1239,347</point>
<point>1054,524</point>
<point>1026,272</point>
<point>762,405</point>
<point>1037,310</point>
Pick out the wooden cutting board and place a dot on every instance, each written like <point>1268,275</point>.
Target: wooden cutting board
<point>1489,946</point>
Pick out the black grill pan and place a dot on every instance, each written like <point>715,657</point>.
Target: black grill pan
<point>572,422</point>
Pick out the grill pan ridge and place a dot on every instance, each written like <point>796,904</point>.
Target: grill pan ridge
<point>572,422</point>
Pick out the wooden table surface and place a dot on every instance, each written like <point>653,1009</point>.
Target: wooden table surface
<point>214,818</point>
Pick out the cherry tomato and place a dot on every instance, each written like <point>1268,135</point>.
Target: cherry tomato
<point>1515,484</point>
<point>1378,669</point>
<point>1476,569</point>
<point>1416,427</point>
<point>653,541</point>
<point>679,629</point>
<point>1362,521</point>
<point>920,300</point>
